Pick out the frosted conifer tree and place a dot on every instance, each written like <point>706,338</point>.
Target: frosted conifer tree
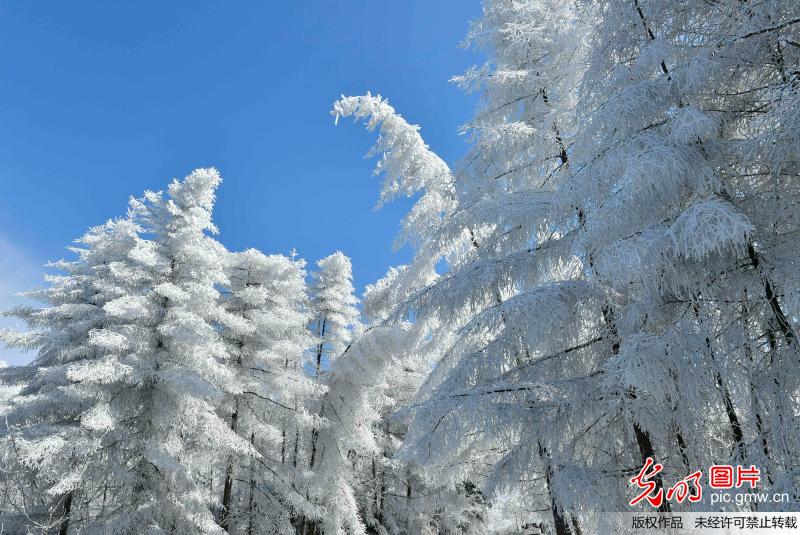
<point>334,324</point>
<point>606,251</point>
<point>352,406</point>
<point>491,240</point>
<point>178,363</point>
<point>153,370</point>
<point>56,420</point>
<point>675,163</point>
<point>334,308</point>
<point>266,335</point>
<point>12,481</point>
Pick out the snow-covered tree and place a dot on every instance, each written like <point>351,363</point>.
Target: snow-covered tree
<point>348,441</point>
<point>617,247</point>
<point>121,402</point>
<point>175,368</point>
<point>474,319</point>
<point>13,481</point>
<point>333,303</point>
<point>335,324</point>
<point>266,335</point>
<point>57,419</point>
<point>677,160</point>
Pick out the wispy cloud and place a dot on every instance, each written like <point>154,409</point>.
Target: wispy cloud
<point>19,271</point>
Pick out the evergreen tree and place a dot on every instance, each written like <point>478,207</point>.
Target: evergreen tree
<point>130,369</point>
<point>352,407</point>
<point>608,252</point>
<point>267,338</point>
<point>58,415</point>
<point>181,365</point>
<point>472,320</point>
<point>335,324</point>
<point>334,307</point>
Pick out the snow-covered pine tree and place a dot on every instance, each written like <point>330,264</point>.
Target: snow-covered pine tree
<point>348,442</point>
<point>147,371</point>
<point>174,368</point>
<point>507,253</point>
<point>623,268</point>
<point>267,336</point>
<point>334,324</point>
<point>384,494</point>
<point>152,371</point>
<point>335,318</point>
<point>12,481</point>
<point>684,162</point>
<point>56,418</point>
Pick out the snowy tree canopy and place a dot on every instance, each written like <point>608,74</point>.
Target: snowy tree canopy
<point>619,255</point>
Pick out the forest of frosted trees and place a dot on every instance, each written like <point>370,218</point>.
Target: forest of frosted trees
<point>610,274</point>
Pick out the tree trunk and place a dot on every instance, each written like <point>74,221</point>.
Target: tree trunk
<point>228,488</point>
<point>769,294</point>
<point>283,444</point>
<point>251,500</point>
<point>643,440</point>
<point>646,450</point>
<point>296,444</point>
<point>754,398</point>
<point>103,506</point>
<point>682,448</point>
<point>562,528</point>
<point>576,526</point>
<point>408,500</point>
<point>314,432</point>
<point>382,493</point>
<point>375,494</point>
<point>64,528</point>
<point>733,418</point>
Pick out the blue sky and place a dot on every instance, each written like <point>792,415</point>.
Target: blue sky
<point>102,100</point>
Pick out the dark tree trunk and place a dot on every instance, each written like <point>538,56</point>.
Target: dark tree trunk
<point>730,411</point>
<point>64,528</point>
<point>561,526</point>
<point>283,446</point>
<point>251,503</point>
<point>575,526</point>
<point>314,432</point>
<point>643,440</point>
<point>754,398</point>
<point>769,294</point>
<point>682,448</point>
<point>646,450</point>
<point>228,488</point>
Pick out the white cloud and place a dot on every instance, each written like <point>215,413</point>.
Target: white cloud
<point>19,271</point>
